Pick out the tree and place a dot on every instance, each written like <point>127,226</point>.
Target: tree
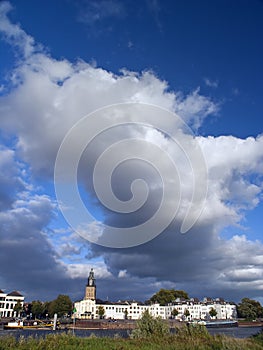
<point>101,311</point>
<point>180,294</point>
<point>18,308</point>
<point>165,296</point>
<point>148,326</point>
<point>186,313</point>
<point>60,306</point>
<point>174,312</point>
<point>126,314</point>
<point>249,309</point>
<point>46,308</point>
<point>212,312</point>
<point>37,308</point>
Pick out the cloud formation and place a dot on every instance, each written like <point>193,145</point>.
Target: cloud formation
<point>11,178</point>
<point>13,33</point>
<point>211,83</point>
<point>47,97</point>
<point>96,11</point>
<point>27,260</point>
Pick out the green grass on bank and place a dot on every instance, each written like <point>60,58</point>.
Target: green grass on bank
<point>185,339</point>
<point>150,334</point>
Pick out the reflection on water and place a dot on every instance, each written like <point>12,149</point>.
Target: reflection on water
<point>237,332</point>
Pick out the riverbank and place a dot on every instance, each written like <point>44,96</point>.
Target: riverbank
<point>113,324</point>
<point>131,324</point>
<point>234,332</point>
<point>120,325</point>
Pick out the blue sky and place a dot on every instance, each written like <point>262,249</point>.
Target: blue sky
<point>185,43</point>
<point>62,60</point>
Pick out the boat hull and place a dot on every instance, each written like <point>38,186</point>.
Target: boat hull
<point>216,323</point>
<point>221,324</point>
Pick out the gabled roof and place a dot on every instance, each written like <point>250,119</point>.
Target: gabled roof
<point>1,291</point>
<point>15,293</point>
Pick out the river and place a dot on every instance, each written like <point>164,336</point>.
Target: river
<point>237,332</point>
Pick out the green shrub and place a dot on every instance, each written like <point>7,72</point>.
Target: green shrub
<point>148,326</point>
<point>192,338</point>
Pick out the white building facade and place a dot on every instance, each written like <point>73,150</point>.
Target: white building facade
<point>8,303</point>
<point>191,310</point>
<point>89,309</point>
<point>188,310</point>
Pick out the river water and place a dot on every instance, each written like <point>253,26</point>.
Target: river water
<point>237,332</point>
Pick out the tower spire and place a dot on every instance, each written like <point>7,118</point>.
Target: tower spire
<point>91,279</point>
<point>90,292</point>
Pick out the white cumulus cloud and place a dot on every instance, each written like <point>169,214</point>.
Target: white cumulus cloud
<point>47,98</point>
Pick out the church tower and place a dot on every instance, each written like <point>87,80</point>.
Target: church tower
<point>90,292</point>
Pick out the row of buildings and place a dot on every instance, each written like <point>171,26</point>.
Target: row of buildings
<point>192,309</point>
<point>90,308</point>
<point>8,301</point>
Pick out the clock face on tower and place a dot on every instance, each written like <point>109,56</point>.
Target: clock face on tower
<point>90,292</point>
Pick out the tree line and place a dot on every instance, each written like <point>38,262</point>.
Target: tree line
<point>62,306</point>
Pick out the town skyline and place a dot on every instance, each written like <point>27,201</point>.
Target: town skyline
<point>167,304</point>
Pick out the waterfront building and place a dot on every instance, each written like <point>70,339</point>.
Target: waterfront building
<point>86,308</point>
<point>200,310</point>
<point>90,308</point>
<point>8,303</point>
